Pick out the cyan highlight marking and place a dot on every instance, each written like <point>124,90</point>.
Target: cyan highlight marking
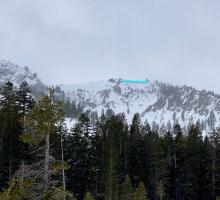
<point>135,81</point>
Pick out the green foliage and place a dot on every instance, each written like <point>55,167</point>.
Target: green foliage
<point>160,190</point>
<point>41,123</point>
<point>103,155</point>
<point>140,193</point>
<point>125,189</point>
<point>56,193</point>
<point>58,165</point>
<point>88,196</point>
<point>72,110</point>
<point>11,128</point>
<point>78,155</point>
<point>18,190</point>
<point>112,149</point>
<point>135,152</point>
<point>43,119</point>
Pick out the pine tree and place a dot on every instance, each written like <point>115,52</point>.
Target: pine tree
<point>152,161</point>
<point>194,163</point>
<point>135,152</point>
<point>206,170</point>
<point>179,162</point>
<point>41,123</point>
<point>169,178</point>
<point>104,155</point>
<point>111,156</point>
<point>97,167</point>
<point>25,103</point>
<point>125,189</point>
<point>88,196</point>
<point>140,193</point>
<point>78,156</point>
<point>17,190</point>
<point>160,190</point>
<point>67,108</point>
<point>10,131</point>
<point>216,166</point>
<point>24,99</point>
<point>214,139</point>
<point>211,120</point>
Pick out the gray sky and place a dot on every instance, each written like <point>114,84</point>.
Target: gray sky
<point>74,41</point>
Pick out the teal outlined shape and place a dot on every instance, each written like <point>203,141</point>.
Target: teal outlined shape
<point>134,81</point>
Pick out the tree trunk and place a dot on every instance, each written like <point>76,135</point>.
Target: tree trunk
<point>1,139</point>
<point>213,178</point>
<point>10,169</point>
<point>22,168</point>
<point>63,172</point>
<point>111,174</point>
<point>46,166</point>
<point>175,175</point>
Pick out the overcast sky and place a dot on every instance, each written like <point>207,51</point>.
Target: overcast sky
<point>74,41</point>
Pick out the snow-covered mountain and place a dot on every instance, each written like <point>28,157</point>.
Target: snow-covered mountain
<point>161,104</point>
<point>16,74</point>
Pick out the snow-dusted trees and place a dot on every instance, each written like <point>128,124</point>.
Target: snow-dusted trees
<point>101,158</point>
<point>211,120</point>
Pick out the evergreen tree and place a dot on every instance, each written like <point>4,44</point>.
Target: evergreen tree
<point>135,152</point>
<point>140,193</point>
<point>78,156</point>
<point>211,120</point>
<point>113,128</point>
<point>180,189</point>
<point>17,190</point>
<point>214,139</point>
<point>88,196</point>
<point>160,190</point>
<point>216,166</point>
<point>25,103</point>
<point>169,176</point>
<point>97,166</point>
<point>125,189</point>
<point>152,161</point>
<point>10,131</point>
<point>24,99</point>
<point>104,155</point>
<point>67,108</point>
<point>206,170</point>
<point>195,171</point>
<point>41,123</point>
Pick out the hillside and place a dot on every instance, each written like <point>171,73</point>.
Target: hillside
<point>161,104</point>
<point>16,74</point>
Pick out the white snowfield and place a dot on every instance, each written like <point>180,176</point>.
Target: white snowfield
<point>69,123</point>
<point>158,103</point>
<point>161,104</point>
<point>16,74</point>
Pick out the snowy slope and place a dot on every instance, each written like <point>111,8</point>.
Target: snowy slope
<point>159,103</point>
<point>16,74</point>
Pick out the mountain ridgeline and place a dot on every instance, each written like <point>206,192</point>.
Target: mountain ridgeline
<point>16,74</point>
<point>106,157</point>
<point>161,104</point>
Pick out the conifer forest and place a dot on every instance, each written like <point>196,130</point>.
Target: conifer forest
<point>99,158</point>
